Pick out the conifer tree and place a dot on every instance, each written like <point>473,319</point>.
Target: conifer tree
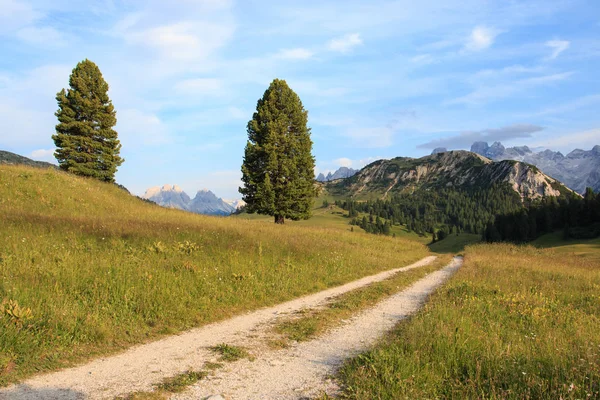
<point>86,142</point>
<point>278,166</point>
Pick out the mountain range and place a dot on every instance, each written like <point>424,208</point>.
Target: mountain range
<point>205,201</point>
<point>577,170</point>
<point>460,170</point>
<point>341,173</point>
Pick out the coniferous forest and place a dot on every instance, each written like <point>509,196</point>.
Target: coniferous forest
<point>497,213</point>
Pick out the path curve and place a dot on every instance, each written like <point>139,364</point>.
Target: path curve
<point>142,366</point>
<point>304,370</point>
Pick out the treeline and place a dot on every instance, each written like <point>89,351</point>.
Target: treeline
<point>439,212</point>
<point>577,217</point>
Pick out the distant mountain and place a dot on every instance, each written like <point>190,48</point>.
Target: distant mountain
<point>237,203</point>
<point>577,170</point>
<point>6,157</point>
<point>341,173</point>
<point>205,202</point>
<point>460,170</point>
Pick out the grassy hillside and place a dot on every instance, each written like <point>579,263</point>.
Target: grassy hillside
<point>86,269</point>
<point>514,323</point>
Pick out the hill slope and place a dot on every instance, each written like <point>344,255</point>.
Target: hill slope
<point>100,270</point>
<point>460,170</point>
<point>6,157</point>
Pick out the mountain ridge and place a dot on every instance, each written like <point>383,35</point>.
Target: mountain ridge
<point>457,169</point>
<point>578,169</point>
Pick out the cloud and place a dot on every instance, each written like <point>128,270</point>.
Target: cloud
<point>15,14</point>
<point>43,155</point>
<point>343,162</point>
<point>374,137</point>
<point>295,54</point>
<point>200,86</point>
<point>586,140</point>
<point>184,40</point>
<point>137,127</point>
<point>422,59</point>
<point>502,90</point>
<point>557,46</point>
<point>345,43</point>
<point>465,139</point>
<point>41,36</point>
<point>481,38</point>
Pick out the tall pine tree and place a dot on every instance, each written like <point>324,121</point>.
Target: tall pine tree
<point>86,142</point>
<point>278,167</point>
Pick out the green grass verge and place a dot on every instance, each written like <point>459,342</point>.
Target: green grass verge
<point>454,244</point>
<point>88,270</point>
<point>514,323</point>
<point>312,323</point>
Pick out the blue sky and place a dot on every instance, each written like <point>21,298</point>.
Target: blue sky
<point>380,78</point>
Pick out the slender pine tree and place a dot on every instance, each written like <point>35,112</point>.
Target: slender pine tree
<point>278,166</point>
<point>86,142</point>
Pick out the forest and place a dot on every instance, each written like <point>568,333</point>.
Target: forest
<point>497,213</point>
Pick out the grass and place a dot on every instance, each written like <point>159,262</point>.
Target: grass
<point>454,244</point>
<point>88,270</point>
<point>231,353</point>
<point>312,323</point>
<point>589,249</point>
<point>514,323</point>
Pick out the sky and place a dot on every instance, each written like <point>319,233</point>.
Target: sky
<point>379,78</point>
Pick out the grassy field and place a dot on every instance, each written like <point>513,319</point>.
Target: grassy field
<point>589,249</point>
<point>86,269</point>
<point>514,323</point>
<point>454,244</point>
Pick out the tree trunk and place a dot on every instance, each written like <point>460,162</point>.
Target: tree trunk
<point>279,219</point>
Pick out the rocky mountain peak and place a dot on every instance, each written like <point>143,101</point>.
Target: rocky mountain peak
<point>577,169</point>
<point>205,201</point>
<point>341,173</point>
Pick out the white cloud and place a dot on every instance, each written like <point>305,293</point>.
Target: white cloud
<point>43,155</point>
<point>481,38</point>
<point>183,41</point>
<point>41,36</point>
<point>137,127</point>
<point>15,14</point>
<point>374,137</point>
<point>238,113</point>
<point>557,46</point>
<point>498,91</point>
<point>200,86</point>
<point>345,43</point>
<point>295,54</point>
<point>343,162</point>
<point>586,140</point>
<point>422,59</point>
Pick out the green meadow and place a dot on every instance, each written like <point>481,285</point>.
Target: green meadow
<point>515,322</point>
<point>87,270</point>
